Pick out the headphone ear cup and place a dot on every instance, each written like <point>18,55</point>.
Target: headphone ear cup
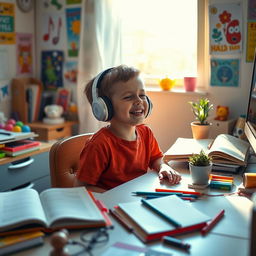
<point>150,106</point>
<point>109,107</point>
<point>102,109</point>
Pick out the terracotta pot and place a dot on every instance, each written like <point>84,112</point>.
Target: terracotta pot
<point>200,131</point>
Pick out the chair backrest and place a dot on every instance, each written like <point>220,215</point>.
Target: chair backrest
<point>64,159</point>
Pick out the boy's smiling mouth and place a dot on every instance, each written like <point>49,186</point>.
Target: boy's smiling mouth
<point>137,112</point>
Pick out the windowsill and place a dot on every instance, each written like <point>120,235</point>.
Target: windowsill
<point>177,91</point>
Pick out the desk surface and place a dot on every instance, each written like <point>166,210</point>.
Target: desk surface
<point>229,237</point>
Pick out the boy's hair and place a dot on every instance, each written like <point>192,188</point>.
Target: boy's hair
<point>121,73</point>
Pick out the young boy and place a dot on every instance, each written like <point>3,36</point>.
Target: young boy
<point>126,148</point>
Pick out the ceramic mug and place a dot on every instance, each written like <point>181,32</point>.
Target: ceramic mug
<point>190,84</point>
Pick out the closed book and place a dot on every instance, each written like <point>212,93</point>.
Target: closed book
<point>15,243</point>
<point>26,210</point>
<point>8,136</point>
<point>19,152</point>
<point>149,225</point>
<point>20,145</point>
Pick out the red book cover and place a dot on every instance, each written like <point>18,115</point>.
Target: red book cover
<point>20,145</point>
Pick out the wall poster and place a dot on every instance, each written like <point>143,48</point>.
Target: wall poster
<point>224,72</point>
<point>225,28</point>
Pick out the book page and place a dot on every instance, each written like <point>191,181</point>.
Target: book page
<point>230,145</point>
<point>188,146</point>
<point>20,207</point>
<point>70,204</point>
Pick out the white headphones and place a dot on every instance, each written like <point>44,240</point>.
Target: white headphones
<point>101,106</point>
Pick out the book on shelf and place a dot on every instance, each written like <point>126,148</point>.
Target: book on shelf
<point>14,243</point>
<point>20,145</point>
<point>224,149</point>
<point>8,136</point>
<point>52,209</point>
<point>33,93</point>
<point>20,152</point>
<point>140,217</point>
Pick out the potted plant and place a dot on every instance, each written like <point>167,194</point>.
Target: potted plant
<point>200,167</point>
<point>201,127</point>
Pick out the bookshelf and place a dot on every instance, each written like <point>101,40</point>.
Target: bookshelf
<point>23,98</point>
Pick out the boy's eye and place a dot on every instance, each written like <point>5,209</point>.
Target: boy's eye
<point>127,97</point>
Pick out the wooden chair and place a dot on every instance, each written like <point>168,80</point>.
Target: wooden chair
<point>64,159</point>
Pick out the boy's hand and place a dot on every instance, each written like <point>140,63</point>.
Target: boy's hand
<point>167,172</point>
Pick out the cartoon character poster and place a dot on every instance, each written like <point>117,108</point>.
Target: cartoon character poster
<point>225,72</point>
<point>52,68</point>
<point>225,28</point>
<point>251,41</point>
<point>73,20</point>
<point>7,23</point>
<point>24,53</point>
<point>70,72</point>
<point>251,10</point>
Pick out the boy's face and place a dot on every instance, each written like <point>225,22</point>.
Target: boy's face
<point>129,102</point>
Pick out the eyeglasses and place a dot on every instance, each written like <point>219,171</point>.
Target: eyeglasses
<point>90,239</point>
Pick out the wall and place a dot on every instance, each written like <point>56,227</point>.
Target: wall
<point>24,23</point>
<point>172,114</point>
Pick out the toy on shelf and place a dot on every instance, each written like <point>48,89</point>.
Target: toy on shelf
<point>53,113</point>
<point>14,126</point>
<point>222,113</point>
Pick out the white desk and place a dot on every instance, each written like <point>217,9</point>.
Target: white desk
<point>229,237</point>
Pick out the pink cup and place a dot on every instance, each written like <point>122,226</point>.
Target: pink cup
<point>190,84</point>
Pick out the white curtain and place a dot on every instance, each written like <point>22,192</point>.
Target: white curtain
<point>100,48</point>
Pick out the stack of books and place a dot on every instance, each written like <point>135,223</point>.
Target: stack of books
<point>20,147</point>
<point>170,215</point>
<point>229,154</point>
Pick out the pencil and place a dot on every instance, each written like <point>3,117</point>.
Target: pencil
<point>176,242</point>
<point>212,223</point>
<point>178,191</point>
<point>168,218</point>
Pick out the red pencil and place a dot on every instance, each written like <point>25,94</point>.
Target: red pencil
<point>178,191</point>
<point>212,223</point>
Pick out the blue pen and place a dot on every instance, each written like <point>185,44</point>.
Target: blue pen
<point>146,193</point>
<point>172,221</point>
<point>176,242</point>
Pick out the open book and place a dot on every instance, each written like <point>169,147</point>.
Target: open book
<point>149,225</point>
<point>225,149</point>
<point>54,208</point>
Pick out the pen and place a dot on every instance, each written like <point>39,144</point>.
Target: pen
<point>176,242</point>
<point>121,220</point>
<point>146,193</point>
<point>101,205</point>
<point>172,221</point>
<point>178,191</point>
<point>212,223</point>
<point>6,133</point>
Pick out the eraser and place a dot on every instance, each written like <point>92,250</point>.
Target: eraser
<point>198,186</point>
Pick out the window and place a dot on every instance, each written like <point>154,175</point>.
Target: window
<point>160,37</point>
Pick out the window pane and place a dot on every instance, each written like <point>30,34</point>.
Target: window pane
<point>160,36</point>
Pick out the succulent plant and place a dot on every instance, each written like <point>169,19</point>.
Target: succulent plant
<point>201,159</point>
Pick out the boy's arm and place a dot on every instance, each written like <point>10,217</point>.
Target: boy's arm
<point>165,171</point>
<point>78,183</point>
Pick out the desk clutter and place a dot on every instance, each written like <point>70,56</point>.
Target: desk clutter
<point>228,153</point>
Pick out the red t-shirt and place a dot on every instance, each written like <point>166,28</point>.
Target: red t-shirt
<point>108,161</point>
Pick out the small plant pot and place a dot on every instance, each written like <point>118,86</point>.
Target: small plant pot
<point>200,131</point>
<point>200,174</point>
